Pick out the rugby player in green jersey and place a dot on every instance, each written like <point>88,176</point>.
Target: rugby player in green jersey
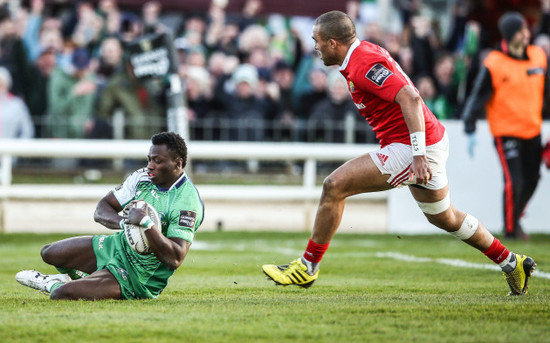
<point>105,266</point>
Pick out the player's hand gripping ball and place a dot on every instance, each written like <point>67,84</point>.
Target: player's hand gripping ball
<point>135,234</point>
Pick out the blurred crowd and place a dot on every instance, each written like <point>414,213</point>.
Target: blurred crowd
<point>248,75</point>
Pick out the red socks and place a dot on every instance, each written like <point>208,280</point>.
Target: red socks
<point>314,252</point>
<point>497,252</point>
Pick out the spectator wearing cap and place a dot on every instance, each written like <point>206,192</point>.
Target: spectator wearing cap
<point>71,97</point>
<point>511,85</point>
<point>246,112</point>
<point>15,120</point>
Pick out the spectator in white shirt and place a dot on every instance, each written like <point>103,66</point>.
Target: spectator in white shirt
<point>15,120</point>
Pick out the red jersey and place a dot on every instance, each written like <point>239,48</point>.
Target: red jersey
<point>374,79</point>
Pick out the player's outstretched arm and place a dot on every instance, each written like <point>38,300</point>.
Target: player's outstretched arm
<point>411,107</point>
<point>106,212</point>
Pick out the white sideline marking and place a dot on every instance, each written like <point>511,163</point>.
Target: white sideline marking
<point>198,245</point>
<point>450,262</point>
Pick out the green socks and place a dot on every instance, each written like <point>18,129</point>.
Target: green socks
<point>73,273</point>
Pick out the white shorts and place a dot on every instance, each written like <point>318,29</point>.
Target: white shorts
<point>395,159</point>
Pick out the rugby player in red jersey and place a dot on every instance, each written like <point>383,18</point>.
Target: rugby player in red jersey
<point>414,149</point>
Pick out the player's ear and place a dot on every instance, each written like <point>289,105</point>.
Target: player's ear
<point>179,163</point>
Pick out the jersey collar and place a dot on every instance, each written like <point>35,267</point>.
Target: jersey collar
<point>350,51</point>
<point>176,184</point>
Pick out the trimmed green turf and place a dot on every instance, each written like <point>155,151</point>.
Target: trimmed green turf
<point>220,295</point>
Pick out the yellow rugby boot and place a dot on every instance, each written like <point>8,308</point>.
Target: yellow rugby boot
<point>517,278</point>
<point>294,273</point>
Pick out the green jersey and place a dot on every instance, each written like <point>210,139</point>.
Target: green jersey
<point>180,206</point>
<point>181,211</point>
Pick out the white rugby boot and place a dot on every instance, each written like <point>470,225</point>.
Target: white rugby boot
<point>37,280</point>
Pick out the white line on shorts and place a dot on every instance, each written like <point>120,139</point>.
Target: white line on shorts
<point>450,262</point>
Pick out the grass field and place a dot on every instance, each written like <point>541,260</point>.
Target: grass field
<point>375,288</point>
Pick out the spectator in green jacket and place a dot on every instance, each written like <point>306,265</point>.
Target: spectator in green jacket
<point>71,98</point>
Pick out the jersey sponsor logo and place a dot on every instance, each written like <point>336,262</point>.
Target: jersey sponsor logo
<point>351,87</point>
<point>383,158</point>
<point>535,71</point>
<point>378,74</point>
<point>359,106</point>
<point>187,219</point>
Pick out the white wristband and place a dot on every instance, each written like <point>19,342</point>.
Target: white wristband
<point>146,223</point>
<point>418,143</point>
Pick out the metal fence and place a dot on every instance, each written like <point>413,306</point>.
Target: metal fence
<point>218,127</point>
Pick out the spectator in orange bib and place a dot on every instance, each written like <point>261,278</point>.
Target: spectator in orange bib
<point>511,85</point>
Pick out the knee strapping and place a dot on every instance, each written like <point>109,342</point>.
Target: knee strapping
<point>437,207</point>
<point>467,229</point>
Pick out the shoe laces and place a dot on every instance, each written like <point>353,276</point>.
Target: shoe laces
<point>291,267</point>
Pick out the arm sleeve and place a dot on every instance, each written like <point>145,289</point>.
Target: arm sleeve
<point>59,94</point>
<point>31,36</point>
<point>127,190</point>
<point>482,90</point>
<point>183,224</point>
<point>381,81</point>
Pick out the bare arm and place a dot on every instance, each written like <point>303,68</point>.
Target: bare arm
<point>106,212</point>
<point>411,107</point>
<point>170,251</point>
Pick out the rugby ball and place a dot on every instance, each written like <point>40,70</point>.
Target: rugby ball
<point>135,234</point>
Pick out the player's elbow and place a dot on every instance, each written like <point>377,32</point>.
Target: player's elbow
<point>408,97</point>
<point>174,255</point>
<point>97,217</point>
<point>173,260</point>
<point>173,263</point>
<point>413,99</point>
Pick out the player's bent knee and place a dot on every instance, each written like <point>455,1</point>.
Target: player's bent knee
<point>433,208</point>
<point>330,187</point>
<point>44,253</point>
<point>467,229</point>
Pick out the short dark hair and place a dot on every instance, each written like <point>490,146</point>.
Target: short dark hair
<point>173,142</point>
<point>336,25</point>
